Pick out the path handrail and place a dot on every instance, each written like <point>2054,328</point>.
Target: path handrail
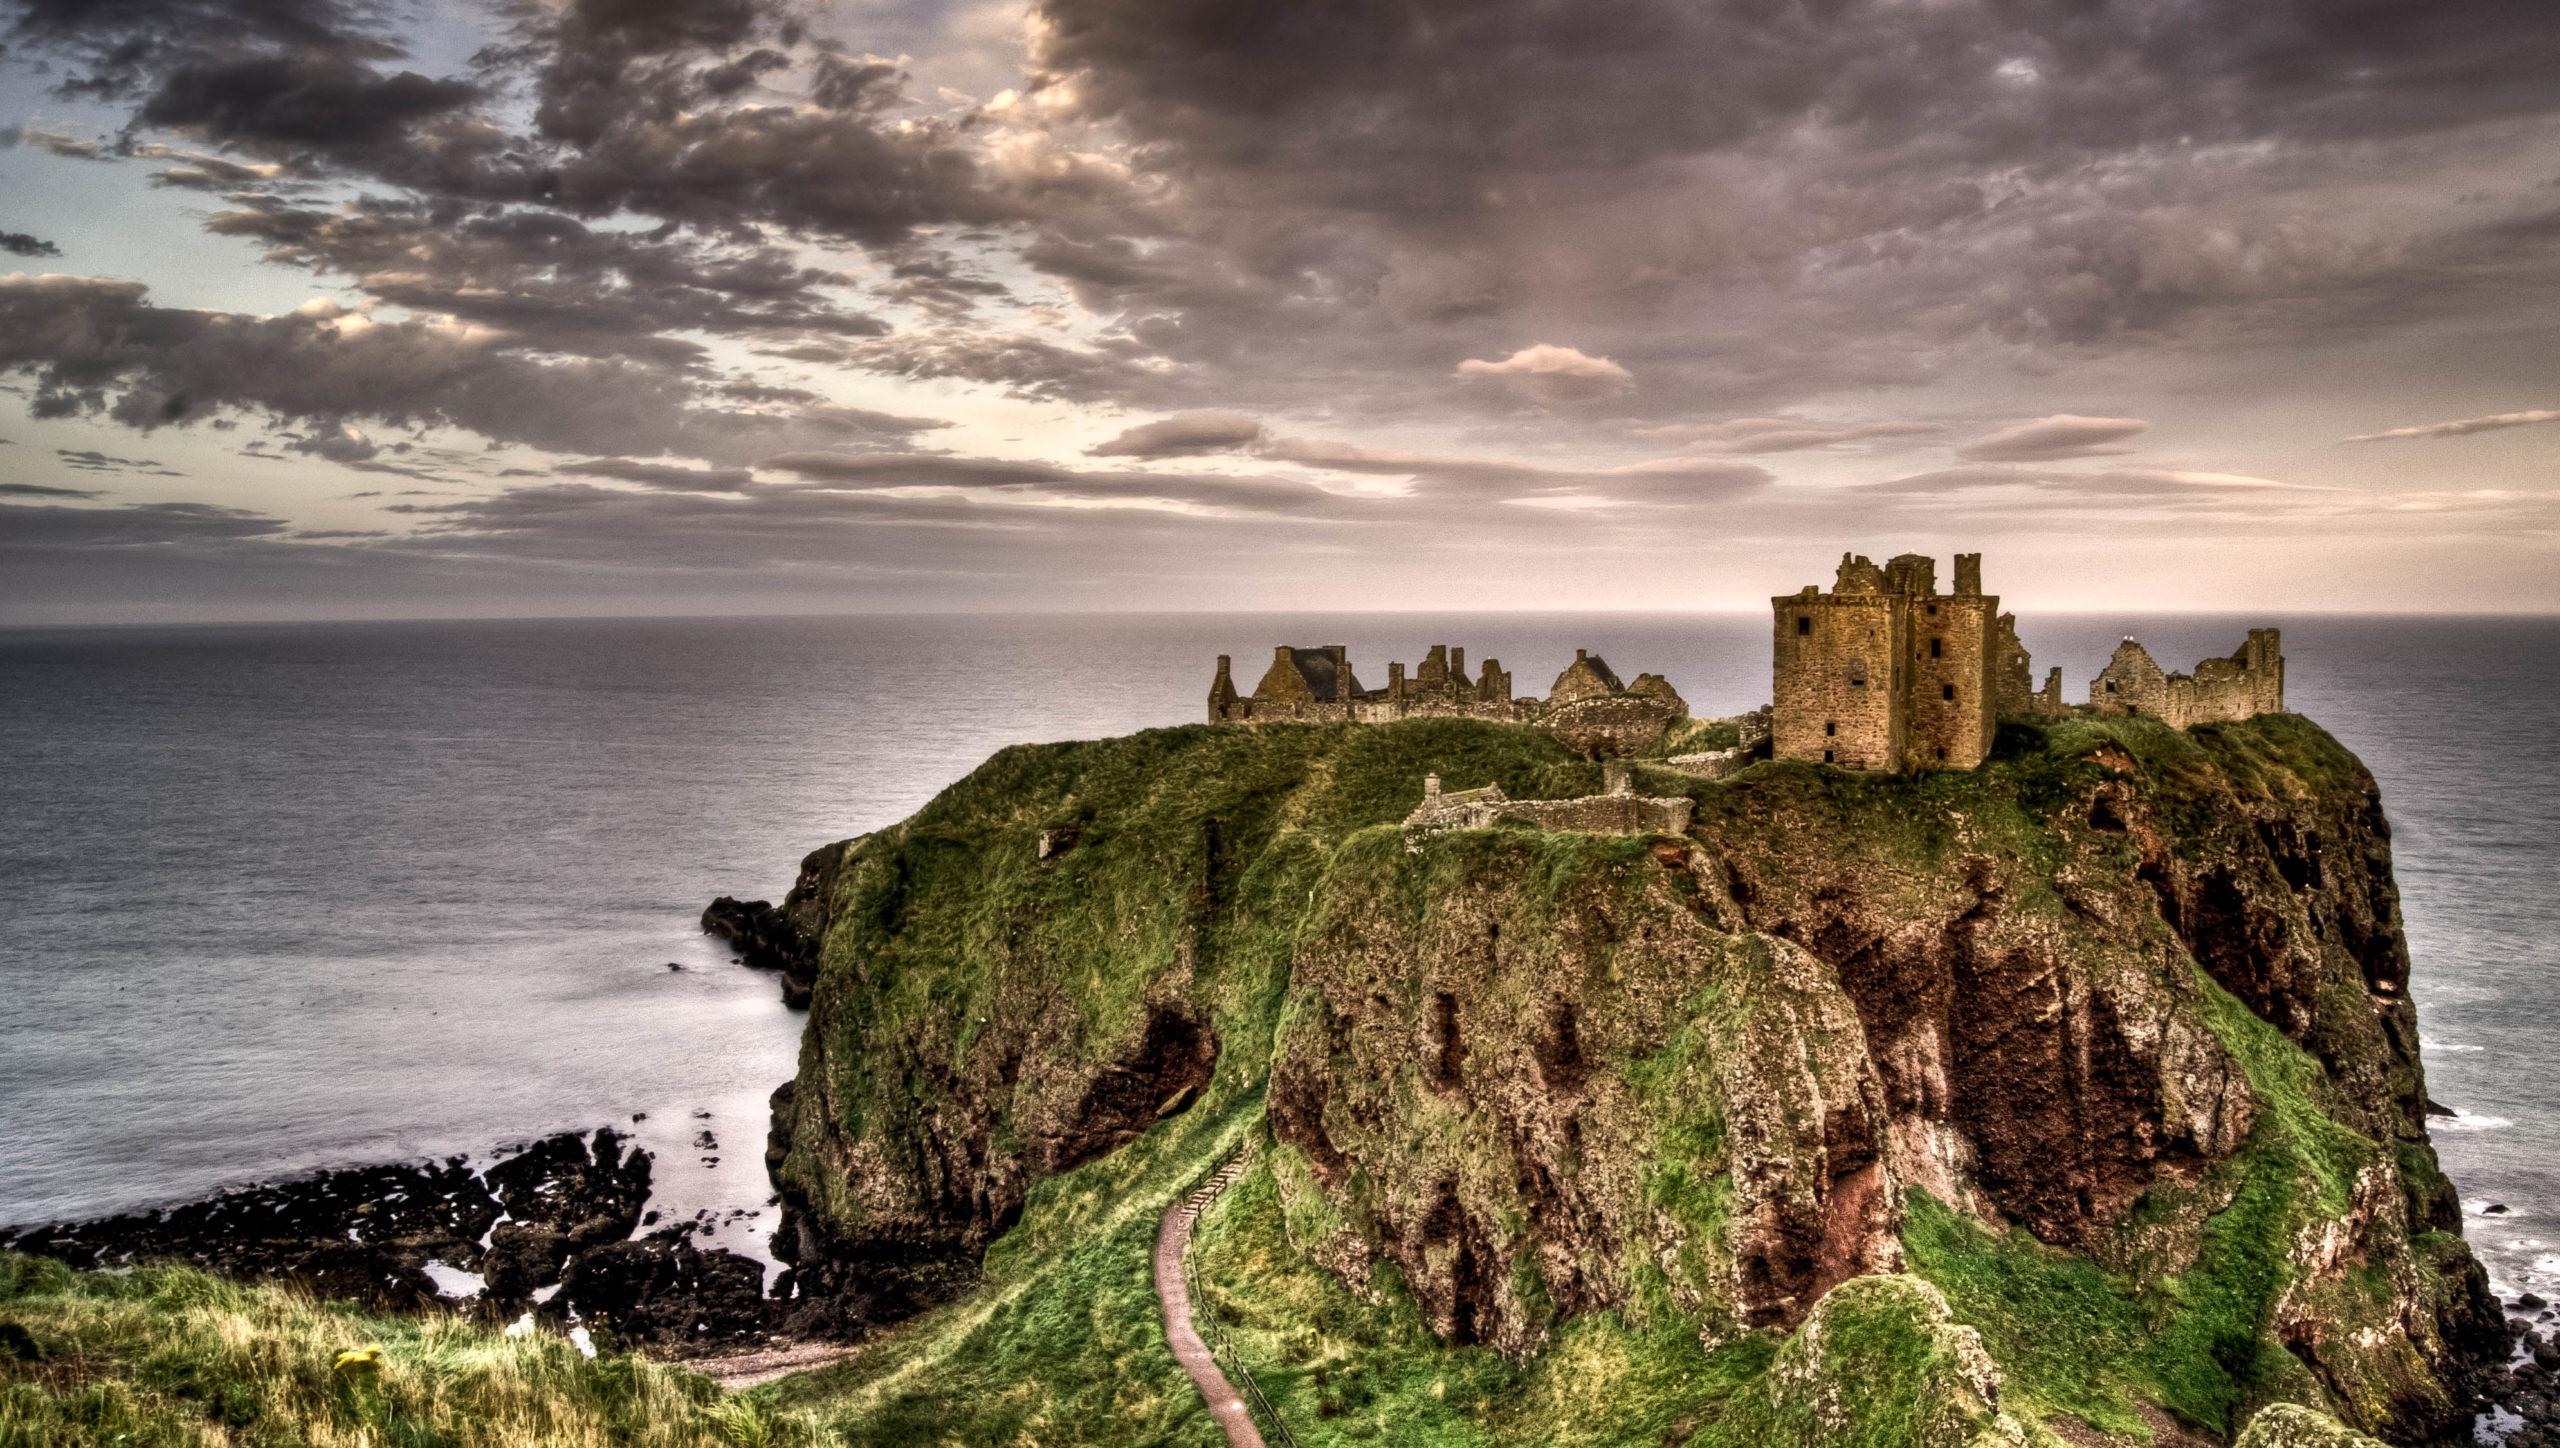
<point>1220,1345</point>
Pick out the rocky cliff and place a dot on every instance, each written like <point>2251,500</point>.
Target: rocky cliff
<point>2107,1042</point>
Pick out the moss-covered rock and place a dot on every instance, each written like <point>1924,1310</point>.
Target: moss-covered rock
<point>2289,1425</point>
<point>1876,1363</point>
<point>2109,1040</point>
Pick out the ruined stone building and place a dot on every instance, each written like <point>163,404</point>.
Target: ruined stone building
<point>1616,810</point>
<point>1317,686</point>
<point>1885,672</point>
<point>1589,709</point>
<point>2018,691</point>
<point>2249,682</point>
<point>1882,672</point>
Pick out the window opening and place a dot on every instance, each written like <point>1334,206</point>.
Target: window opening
<point>1804,623</point>
<point>1948,693</point>
<point>1935,651</point>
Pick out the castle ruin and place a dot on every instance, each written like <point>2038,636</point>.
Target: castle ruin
<point>1883,672</point>
<point>1589,708</point>
<point>2249,682</point>
<point>1886,673</point>
<point>1616,810</point>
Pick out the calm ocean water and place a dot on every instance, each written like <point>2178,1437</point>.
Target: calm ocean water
<point>280,897</point>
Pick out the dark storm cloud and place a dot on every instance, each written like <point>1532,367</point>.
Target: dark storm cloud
<point>18,243</point>
<point>302,104</point>
<point>1364,191</point>
<point>98,347</point>
<point>1343,101</point>
<point>552,279</point>
<point>640,107</point>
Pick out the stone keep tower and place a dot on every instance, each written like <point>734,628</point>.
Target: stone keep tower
<point>1885,672</point>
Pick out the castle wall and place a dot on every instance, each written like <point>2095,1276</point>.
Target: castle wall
<point>2017,672</point>
<point>2130,684</point>
<point>1840,663</point>
<point>2249,682</point>
<point>1618,811</point>
<point>1954,705</point>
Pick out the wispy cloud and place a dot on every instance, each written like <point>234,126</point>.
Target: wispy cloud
<point>2051,439</point>
<point>2462,426</point>
<point>1758,435</point>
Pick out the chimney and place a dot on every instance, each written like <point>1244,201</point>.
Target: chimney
<point>1968,575</point>
<point>1430,786</point>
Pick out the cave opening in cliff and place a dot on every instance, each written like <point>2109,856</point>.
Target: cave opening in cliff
<point>1448,1068</point>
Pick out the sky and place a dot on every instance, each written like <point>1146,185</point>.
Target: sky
<point>367,308</point>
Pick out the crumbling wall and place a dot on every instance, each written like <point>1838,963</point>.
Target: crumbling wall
<point>2248,683</point>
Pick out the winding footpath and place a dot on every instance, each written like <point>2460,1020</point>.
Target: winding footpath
<point>1174,1296</point>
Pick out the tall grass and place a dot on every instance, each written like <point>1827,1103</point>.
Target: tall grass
<point>171,1356</point>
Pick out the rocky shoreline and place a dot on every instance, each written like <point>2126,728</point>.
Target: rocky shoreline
<point>559,1229</point>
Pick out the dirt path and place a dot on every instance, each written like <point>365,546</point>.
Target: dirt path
<point>738,1372</point>
<point>1175,1298</point>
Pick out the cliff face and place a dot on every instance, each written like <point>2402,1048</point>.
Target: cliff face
<point>2124,1003</point>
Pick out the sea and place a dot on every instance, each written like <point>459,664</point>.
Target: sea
<point>286,896</point>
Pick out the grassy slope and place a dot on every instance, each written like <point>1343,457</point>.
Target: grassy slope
<point>168,1355</point>
<point>2071,1337</point>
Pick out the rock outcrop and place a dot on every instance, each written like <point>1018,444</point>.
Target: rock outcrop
<point>2137,995</point>
<point>784,938</point>
<point>369,1233</point>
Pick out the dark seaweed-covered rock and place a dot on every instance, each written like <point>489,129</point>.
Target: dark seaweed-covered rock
<point>787,937</point>
<point>662,1289</point>
<point>367,1233</point>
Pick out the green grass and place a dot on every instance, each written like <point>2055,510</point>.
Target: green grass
<point>1346,1370</point>
<point>171,1356</point>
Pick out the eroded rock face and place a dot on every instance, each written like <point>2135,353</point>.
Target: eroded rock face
<point>1536,1070</point>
